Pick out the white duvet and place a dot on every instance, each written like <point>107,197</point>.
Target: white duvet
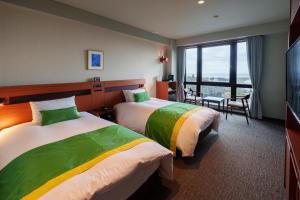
<point>116,177</point>
<point>135,115</point>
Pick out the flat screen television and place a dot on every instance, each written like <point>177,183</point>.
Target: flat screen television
<point>293,78</point>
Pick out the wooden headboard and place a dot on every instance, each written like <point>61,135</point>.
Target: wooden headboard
<point>88,96</point>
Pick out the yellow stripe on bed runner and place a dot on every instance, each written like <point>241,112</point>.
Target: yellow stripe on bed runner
<point>35,194</point>
<point>177,128</point>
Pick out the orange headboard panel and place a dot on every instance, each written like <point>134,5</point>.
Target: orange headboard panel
<point>88,96</point>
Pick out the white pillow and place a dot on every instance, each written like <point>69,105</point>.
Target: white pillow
<point>129,94</point>
<point>38,106</point>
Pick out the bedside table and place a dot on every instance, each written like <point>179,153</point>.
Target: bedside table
<point>104,113</point>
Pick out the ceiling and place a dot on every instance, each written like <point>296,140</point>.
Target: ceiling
<point>183,18</point>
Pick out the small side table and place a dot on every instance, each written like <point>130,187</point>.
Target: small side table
<point>104,113</point>
<point>217,100</point>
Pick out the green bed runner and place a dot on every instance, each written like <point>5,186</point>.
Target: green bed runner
<point>164,123</point>
<point>37,171</point>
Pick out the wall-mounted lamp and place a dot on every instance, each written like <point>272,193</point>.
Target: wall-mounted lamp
<point>163,59</point>
<point>2,101</point>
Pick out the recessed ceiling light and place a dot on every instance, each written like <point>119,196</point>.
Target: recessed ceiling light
<point>201,2</point>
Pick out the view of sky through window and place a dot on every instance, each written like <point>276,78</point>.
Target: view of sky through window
<point>191,64</point>
<point>216,63</point>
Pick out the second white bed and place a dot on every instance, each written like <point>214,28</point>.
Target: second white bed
<point>135,115</point>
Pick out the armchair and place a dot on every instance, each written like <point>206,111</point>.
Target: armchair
<point>240,103</point>
<point>191,96</point>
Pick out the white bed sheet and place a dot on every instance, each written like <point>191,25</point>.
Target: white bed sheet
<point>135,115</point>
<point>117,177</point>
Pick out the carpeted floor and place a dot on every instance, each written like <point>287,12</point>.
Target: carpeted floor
<point>240,162</point>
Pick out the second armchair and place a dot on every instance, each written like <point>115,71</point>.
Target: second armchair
<point>191,96</point>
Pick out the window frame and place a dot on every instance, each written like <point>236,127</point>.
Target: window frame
<point>232,72</point>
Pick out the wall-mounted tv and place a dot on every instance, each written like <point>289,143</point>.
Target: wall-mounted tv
<point>293,78</point>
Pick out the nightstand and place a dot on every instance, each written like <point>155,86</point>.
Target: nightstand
<point>104,113</point>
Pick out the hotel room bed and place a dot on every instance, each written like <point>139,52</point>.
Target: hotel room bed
<point>115,177</point>
<point>134,115</point>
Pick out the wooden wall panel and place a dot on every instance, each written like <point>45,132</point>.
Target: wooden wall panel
<point>113,98</point>
<point>293,9</point>
<point>88,97</point>
<point>14,114</point>
<point>162,90</point>
<point>117,83</point>
<point>292,125</point>
<point>13,91</point>
<point>84,103</point>
<point>294,32</point>
<point>98,99</point>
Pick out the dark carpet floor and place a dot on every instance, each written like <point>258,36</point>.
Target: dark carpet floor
<point>240,162</point>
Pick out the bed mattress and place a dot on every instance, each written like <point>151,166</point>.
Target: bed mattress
<point>116,177</point>
<point>135,115</point>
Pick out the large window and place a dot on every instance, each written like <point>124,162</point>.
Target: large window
<point>219,69</point>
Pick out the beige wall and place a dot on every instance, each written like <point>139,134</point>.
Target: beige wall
<point>40,48</point>
<point>273,83</point>
<point>261,29</point>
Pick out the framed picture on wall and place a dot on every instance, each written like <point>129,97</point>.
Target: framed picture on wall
<point>95,60</point>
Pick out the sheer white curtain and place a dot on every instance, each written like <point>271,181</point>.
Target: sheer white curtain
<point>255,63</point>
<point>180,73</point>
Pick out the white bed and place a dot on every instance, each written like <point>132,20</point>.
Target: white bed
<point>135,115</point>
<point>116,177</point>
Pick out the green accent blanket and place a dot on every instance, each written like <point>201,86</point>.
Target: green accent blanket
<point>55,161</point>
<point>160,125</point>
